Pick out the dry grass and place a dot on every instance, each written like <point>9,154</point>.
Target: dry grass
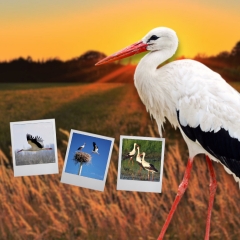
<point>40,207</point>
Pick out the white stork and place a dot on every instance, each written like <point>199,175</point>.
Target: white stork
<point>193,98</point>
<point>81,147</point>
<point>95,148</point>
<point>139,159</point>
<point>131,154</point>
<point>148,166</point>
<point>36,144</point>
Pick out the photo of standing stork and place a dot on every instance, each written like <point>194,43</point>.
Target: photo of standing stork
<point>81,147</point>
<point>139,160</point>
<point>148,166</point>
<point>140,168</point>
<point>131,154</point>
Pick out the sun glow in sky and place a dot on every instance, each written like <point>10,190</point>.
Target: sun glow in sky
<point>66,29</point>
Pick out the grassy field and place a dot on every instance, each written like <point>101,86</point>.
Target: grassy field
<point>40,207</point>
<point>131,171</point>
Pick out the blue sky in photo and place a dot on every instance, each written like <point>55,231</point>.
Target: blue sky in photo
<point>96,169</point>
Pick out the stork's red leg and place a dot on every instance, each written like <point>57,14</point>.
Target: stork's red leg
<point>181,189</point>
<point>212,189</point>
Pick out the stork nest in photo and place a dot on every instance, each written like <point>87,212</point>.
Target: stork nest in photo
<point>82,157</point>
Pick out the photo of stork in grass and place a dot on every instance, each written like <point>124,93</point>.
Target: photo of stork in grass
<point>87,160</point>
<point>34,144</point>
<point>140,163</point>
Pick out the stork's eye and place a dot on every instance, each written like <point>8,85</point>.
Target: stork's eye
<point>153,37</point>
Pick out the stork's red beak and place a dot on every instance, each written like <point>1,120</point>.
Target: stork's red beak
<point>126,52</point>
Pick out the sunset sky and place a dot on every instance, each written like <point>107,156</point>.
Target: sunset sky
<point>66,29</point>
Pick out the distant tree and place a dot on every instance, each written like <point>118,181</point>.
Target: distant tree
<point>200,56</point>
<point>81,69</point>
<point>29,59</point>
<point>236,50</point>
<point>223,54</point>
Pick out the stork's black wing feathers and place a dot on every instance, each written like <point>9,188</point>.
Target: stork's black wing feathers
<point>153,168</point>
<point>220,145</point>
<point>94,146</point>
<point>36,140</point>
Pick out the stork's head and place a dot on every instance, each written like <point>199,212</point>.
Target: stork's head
<point>161,38</point>
<point>142,154</point>
<point>135,144</point>
<point>157,39</point>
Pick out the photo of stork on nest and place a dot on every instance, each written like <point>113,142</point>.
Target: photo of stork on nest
<point>144,171</point>
<point>34,147</point>
<point>87,160</point>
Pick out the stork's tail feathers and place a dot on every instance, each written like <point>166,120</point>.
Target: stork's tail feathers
<point>153,168</point>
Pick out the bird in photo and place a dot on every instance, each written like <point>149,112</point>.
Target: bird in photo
<point>36,144</point>
<point>148,166</point>
<point>139,160</point>
<point>81,147</point>
<point>131,154</point>
<point>95,148</point>
<point>194,99</point>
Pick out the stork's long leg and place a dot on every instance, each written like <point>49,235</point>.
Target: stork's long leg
<point>181,189</point>
<point>212,189</point>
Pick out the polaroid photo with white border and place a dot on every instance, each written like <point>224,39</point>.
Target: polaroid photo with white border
<point>140,164</point>
<point>87,160</point>
<point>34,147</point>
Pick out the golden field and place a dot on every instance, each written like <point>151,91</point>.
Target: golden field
<point>40,207</point>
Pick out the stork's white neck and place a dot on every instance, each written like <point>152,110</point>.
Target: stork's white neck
<point>138,151</point>
<point>152,60</point>
<point>153,85</point>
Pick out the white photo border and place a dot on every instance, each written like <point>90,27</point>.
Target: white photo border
<point>81,181</point>
<point>136,185</point>
<point>35,169</point>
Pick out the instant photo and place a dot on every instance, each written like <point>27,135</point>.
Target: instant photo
<point>140,164</point>
<point>34,148</point>
<point>87,160</point>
